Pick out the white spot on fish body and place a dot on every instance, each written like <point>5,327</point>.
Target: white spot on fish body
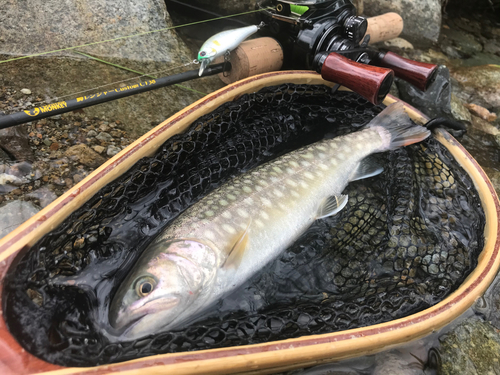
<point>264,215</point>
<point>290,170</point>
<point>277,169</point>
<point>242,213</point>
<point>291,182</point>
<point>278,193</point>
<point>340,156</point>
<point>247,189</point>
<point>295,194</point>
<point>303,184</point>
<point>322,148</point>
<point>274,179</point>
<point>227,215</point>
<point>360,146</point>
<point>259,223</point>
<point>209,213</point>
<point>266,202</point>
<point>294,164</point>
<point>309,175</point>
<point>308,155</point>
<point>283,206</point>
<point>305,163</point>
<point>323,166</point>
<point>248,182</point>
<point>334,162</point>
<point>228,228</point>
<point>231,197</point>
<point>209,234</point>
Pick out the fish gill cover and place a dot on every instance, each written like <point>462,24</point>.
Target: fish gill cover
<point>405,241</point>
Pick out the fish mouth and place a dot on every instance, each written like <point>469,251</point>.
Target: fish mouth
<point>161,304</point>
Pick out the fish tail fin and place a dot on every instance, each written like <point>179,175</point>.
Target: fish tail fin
<point>396,129</point>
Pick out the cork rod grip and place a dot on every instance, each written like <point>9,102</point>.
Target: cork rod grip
<point>384,27</point>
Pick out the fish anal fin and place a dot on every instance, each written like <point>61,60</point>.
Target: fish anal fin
<point>332,205</point>
<point>368,167</point>
<point>236,253</point>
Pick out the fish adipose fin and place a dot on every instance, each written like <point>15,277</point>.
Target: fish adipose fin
<point>396,129</point>
<point>368,167</point>
<point>332,205</point>
<point>236,253</point>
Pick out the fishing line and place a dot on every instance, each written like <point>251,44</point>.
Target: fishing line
<point>137,72</point>
<point>133,35</point>
<point>206,11</point>
<point>58,98</point>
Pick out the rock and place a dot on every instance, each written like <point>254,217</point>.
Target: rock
<point>104,137</point>
<point>14,213</point>
<point>77,178</point>
<point>26,91</point>
<point>458,109</point>
<point>481,112</point>
<point>422,18</point>
<point>481,82</point>
<point>85,155</point>
<point>113,150</point>
<point>99,149</point>
<point>484,126</point>
<point>73,23</point>
<point>471,348</point>
<point>15,142</point>
<point>463,43</point>
<point>91,133</point>
<point>435,102</point>
<point>44,195</point>
<point>398,43</point>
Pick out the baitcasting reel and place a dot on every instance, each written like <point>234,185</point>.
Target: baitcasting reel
<point>305,28</point>
<point>328,36</point>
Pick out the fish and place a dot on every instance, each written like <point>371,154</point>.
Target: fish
<point>220,43</point>
<point>233,232</point>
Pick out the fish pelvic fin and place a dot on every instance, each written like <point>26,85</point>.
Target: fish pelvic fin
<point>396,129</point>
<point>331,206</point>
<point>236,253</point>
<point>368,167</point>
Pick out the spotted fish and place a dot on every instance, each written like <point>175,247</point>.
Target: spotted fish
<point>228,236</point>
<point>222,42</point>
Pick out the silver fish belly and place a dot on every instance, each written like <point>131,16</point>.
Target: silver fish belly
<point>228,236</point>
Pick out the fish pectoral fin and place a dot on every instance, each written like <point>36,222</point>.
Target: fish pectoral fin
<point>332,205</point>
<point>368,167</point>
<point>236,253</point>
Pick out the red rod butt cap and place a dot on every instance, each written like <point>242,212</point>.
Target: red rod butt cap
<point>371,82</point>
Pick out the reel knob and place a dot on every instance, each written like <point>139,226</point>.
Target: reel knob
<point>371,82</point>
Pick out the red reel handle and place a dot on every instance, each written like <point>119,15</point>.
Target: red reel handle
<point>417,73</point>
<point>371,82</point>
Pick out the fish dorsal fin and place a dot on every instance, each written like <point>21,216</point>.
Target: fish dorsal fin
<point>368,167</point>
<point>236,253</point>
<point>332,205</point>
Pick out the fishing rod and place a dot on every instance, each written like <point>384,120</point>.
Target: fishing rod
<point>106,96</point>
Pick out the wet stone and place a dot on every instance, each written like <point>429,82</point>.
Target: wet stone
<point>470,349</point>
<point>14,213</point>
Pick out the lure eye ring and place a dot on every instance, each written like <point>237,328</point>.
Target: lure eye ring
<point>203,53</point>
<point>144,286</point>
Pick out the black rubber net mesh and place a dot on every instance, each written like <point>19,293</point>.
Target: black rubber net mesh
<point>406,239</point>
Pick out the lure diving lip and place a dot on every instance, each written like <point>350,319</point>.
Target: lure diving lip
<point>222,43</point>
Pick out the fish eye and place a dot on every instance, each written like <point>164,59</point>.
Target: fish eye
<point>203,53</point>
<point>145,286</point>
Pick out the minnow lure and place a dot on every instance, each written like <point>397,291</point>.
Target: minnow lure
<point>222,43</point>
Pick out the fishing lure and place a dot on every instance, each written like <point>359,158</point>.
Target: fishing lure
<point>223,43</point>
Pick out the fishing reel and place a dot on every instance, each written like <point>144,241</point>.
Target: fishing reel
<point>327,36</point>
<point>307,27</point>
